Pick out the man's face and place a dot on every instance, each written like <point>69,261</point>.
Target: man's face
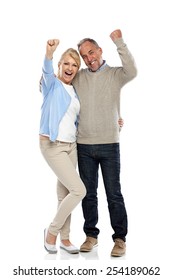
<point>91,55</point>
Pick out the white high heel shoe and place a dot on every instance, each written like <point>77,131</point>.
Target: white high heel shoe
<point>50,248</point>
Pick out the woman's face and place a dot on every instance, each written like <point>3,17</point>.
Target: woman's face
<point>67,69</point>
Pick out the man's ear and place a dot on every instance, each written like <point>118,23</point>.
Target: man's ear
<point>100,49</point>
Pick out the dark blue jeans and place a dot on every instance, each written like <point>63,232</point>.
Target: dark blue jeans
<point>107,156</point>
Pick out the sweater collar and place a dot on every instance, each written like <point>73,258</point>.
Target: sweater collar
<point>100,68</point>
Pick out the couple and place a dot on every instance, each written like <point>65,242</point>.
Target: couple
<point>80,120</point>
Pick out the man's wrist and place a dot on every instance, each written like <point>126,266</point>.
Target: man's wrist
<point>119,42</point>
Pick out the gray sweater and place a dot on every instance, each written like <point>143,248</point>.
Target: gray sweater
<point>99,95</point>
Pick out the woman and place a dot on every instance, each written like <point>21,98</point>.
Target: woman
<point>58,126</point>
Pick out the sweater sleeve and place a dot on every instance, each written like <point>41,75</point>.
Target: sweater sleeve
<point>48,76</point>
<point>128,71</point>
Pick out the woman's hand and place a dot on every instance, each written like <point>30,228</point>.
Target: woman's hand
<point>51,47</point>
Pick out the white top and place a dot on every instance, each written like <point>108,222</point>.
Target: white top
<point>67,128</point>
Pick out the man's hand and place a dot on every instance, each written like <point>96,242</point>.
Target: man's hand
<point>51,47</point>
<point>121,122</point>
<point>116,34</point>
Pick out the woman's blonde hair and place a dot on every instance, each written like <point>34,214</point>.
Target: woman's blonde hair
<point>74,54</point>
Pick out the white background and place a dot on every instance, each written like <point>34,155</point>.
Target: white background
<point>27,192</point>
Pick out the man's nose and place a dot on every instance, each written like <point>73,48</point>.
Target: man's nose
<point>89,58</point>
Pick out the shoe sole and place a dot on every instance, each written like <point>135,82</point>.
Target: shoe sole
<point>117,255</point>
<point>70,251</point>
<point>49,251</point>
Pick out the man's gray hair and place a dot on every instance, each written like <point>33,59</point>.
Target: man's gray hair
<point>87,40</point>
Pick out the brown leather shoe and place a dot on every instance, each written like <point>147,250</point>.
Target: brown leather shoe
<point>89,244</point>
<point>119,248</point>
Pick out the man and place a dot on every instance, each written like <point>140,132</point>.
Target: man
<point>99,87</point>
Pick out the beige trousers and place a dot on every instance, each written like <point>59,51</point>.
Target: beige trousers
<point>62,159</point>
